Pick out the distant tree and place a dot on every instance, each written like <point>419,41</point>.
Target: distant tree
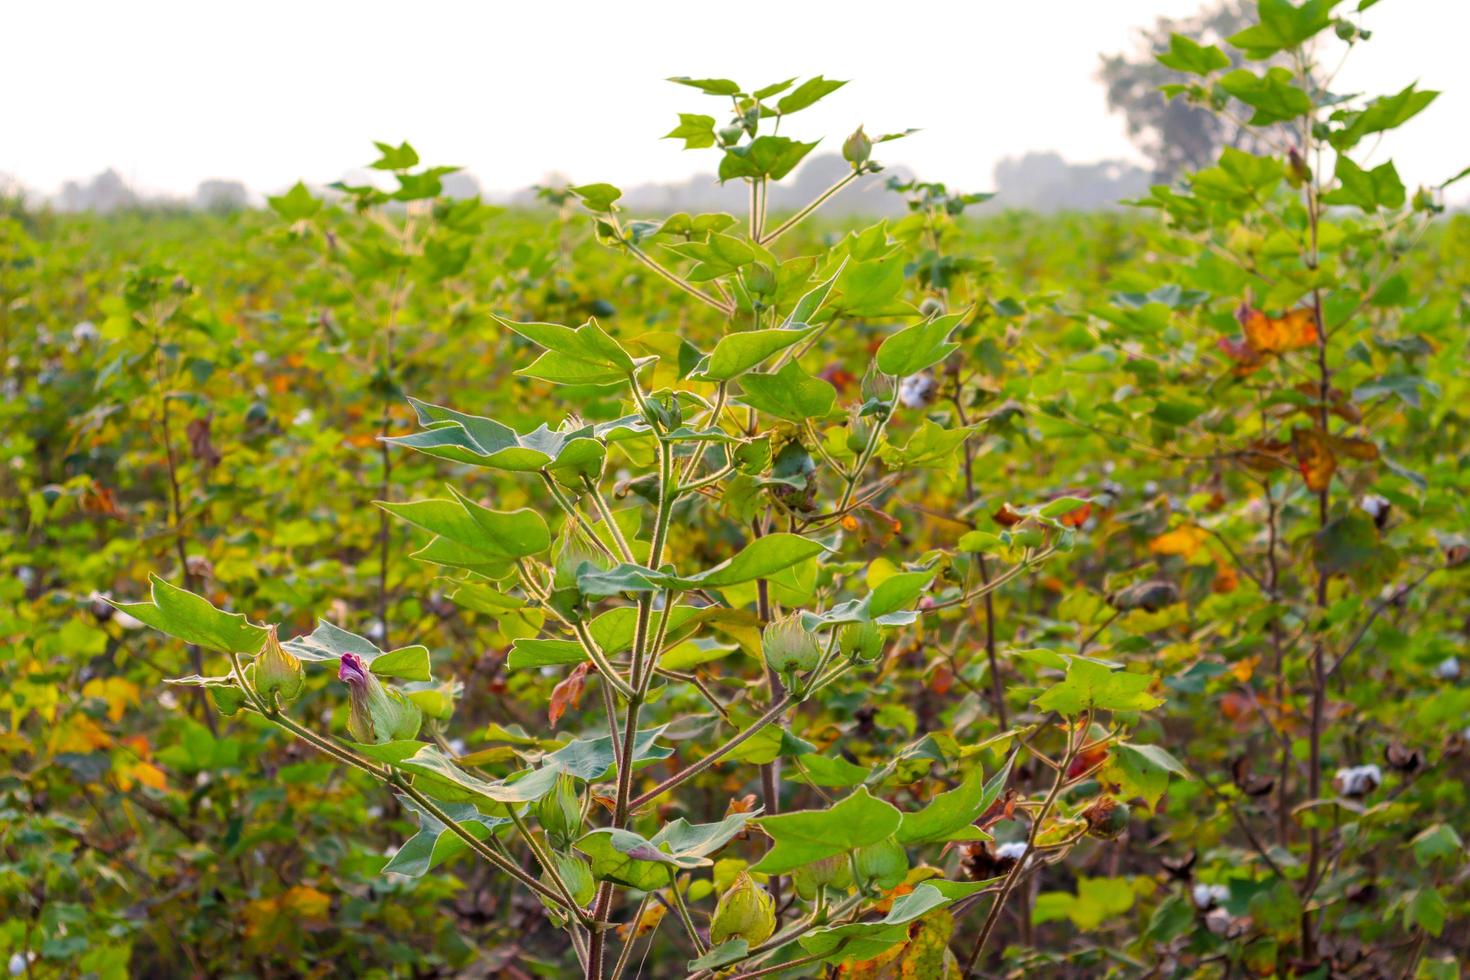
<point>1046,182</point>
<point>1174,135</point>
<point>103,193</point>
<point>221,195</point>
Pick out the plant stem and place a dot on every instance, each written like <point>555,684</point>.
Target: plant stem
<point>801,215</point>
<point>993,916</point>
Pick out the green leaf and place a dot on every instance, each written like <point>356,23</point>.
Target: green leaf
<point>807,93</point>
<point>824,770</point>
<point>871,287</point>
<point>789,394</point>
<point>915,348</point>
<point>1366,189</point>
<point>627,859</point>
<point>400,157</point>
<point>695,130</point>
<point>1382,114</point>
<point>896,592</point>
<point>1240,178</point>
<point>855,941</point>
<point>297,204</point>
<point>1142,770</point>
<point>806,308</point>
<point>592,759</point>
<point>645,863</point>
<point>479,441</point>
<point>1272,95</point>
<point>1282,25</point>
<point>496,536</point>
<point>438,776</point>
<point>406,663</point>
<point>1189,56</point>
<point>597,197</point>
<point>709,86</point>
<point>1427,909</point>
<point>762,558</point>
<point>810,835</point>
<point>737,353</point>
<point>765,156</point>
<point>193,619</point>
<point>722,955</point>
<point>1091,685</point>
<point>586,355</point>
<point>435,843</point>
<point>1439,842</point>
<point>930,445</point>
<point>1350,545</point>
<point>955,810</point>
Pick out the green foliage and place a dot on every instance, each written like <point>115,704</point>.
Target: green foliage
<point>1134,585</point>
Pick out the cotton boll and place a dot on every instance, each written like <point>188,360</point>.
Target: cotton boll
<point>1448,668</point>
<point>1357,781</point>
<point>1208,896</point>
<point>1011,850</point>
<point>917,390</point>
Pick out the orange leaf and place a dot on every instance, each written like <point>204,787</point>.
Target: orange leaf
<point>1226,579</point>
<point>1313,458</point>
<point>1007,516</point>
<point>1266,335</point>
<point>567,693</point>
<point>1076,518</point>
<point>1182,541</point>
<point>1354,448</point>
<point>149,775</point>
<point>1274,335</point>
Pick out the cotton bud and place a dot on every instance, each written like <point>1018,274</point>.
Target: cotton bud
<point>832,872</point>
<point>861,642</point>
<point>560,812</point>
<point>746,911</point>
<point>876,386</point>
<point>277,672</point>
<point>859,430</point>
<point>881,865</point>
<point>788,647</point>
<point>577,874</point>
<point>378,714</point>
<point>1107,818</point>
<point>857,148</point>
<point>572,552</point>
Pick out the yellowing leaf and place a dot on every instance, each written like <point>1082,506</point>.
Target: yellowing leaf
<point>1182,541</point>
<point>116,691</point>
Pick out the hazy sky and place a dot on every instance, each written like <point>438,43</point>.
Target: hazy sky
<point>269,92</point>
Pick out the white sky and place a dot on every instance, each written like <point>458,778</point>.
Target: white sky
<point>269,92</point>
